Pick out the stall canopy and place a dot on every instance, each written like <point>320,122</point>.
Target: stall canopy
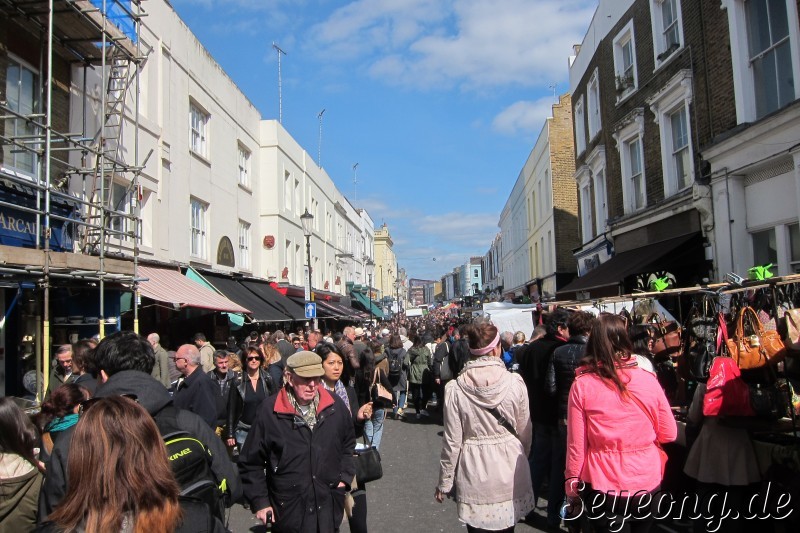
<point>262,311</point>
<point>511,317</point>
<point>170,286</point>
<point>263,290</point>
<point>662,255</point>
<point>364,302</point>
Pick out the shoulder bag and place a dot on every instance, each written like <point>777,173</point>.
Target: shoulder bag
<point>667,336</point>
<point>378,392</point>
<point>661,453</point>
<point>368,464</point>
<point>752,346</point>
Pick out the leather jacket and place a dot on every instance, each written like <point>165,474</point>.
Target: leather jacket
<point>561,370</point>
<point>236,398</point>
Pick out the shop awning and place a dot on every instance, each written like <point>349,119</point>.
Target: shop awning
<point>350,312</point>
<point>170,286</point>
<point>280,302</point>
<point>362,300</point>
<point>656,256</point>
<point>262,311</point>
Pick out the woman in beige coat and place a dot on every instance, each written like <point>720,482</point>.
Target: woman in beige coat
<point>487,438</point>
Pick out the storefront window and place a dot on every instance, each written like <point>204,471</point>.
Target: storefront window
<point>794,246</point>
<point>764,247</point>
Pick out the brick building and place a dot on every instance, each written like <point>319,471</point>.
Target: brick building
<point>539,223</point>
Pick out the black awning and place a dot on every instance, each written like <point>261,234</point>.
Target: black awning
<point>324,310</point>
<point>261,310</point>
<point>277,300</point>
<point>676,252</point>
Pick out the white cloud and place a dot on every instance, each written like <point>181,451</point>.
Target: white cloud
<point>523,117</point>
<point>472,44</point>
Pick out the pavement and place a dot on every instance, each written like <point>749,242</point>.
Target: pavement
<point>402,501</point>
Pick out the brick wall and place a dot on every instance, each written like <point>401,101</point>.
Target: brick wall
<point>565,191</point>
<point>706,52</point>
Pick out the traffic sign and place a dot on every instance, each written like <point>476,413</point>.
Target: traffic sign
<point>311,310</point>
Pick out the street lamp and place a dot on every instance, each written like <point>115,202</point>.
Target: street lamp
<point>397,285</point>
<point>370,264</point>
<point>306,219</point>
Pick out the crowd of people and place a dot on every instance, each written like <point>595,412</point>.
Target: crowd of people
<point>573,412</point>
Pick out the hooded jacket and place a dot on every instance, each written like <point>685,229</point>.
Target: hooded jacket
<point>20,482</point>
<point>481,458</point>
<point>154,397</point>
<point>303,467</point>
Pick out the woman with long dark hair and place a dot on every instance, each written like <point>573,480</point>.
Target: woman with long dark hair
<point>617,415</point>
<point>245,397</point>
<point>333,365</point>
<point>20,478</point>
<point>487,438</point>
<point>120,479</point>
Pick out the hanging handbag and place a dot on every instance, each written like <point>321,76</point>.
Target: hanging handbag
<point>378,393</point>
<point>726,391</point>
<point>667,339</point>
<point>793,329</point>
<point>661,453</point>
<point>768,401</point>
<point>751,346</point>
<point>703,339</point>
<point>368,464</point>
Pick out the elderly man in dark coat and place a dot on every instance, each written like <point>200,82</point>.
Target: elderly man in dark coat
<point>303,440</point>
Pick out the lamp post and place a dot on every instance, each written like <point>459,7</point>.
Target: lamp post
<point>397,285</point>
<point>306,219</point>
<point>370,264</point>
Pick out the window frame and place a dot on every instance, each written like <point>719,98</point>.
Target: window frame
<point>676,93</point>
<point>586,200</point>
<point>579,119</point>
<point>624,36</point>
<point>245,245</point>
<point>198,236</point>
<point>661,51</point>
<point>244,165</point>
<point>595,122</point>
<point>196,110</point>
<point>10,157</point>
<point>631,131</point>
<point>743,79</point>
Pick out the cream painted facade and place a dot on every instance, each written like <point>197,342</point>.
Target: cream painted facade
<point>221,188</point>
<point>385,263</point>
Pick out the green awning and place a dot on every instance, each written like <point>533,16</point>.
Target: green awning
<point>363,300</point>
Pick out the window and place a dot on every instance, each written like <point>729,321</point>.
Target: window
<point>297,209</point>
<point>635,174</point>
<point>593,90</point>
<point>287,190</point>
<point>765,248</point>
<point>198,124</point>
<point>770,57</point>
<point>667,29</point>
<point>475,273</point>
<point>765,55</point>
<point>586,212</point>
<point>625,61</point>
<point>681,166</point>
<point>22,87</point>
<point>794,247</point>
<point>244,166</point>
<point>579,118</point>
<point>671,109</point>
<point>199,230</point>
<point>244,245</point>
<point>122,201</point>
<point>600,210</point>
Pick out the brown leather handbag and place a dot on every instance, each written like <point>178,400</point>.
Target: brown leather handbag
<point>751,346</point>
<point>667,336</point>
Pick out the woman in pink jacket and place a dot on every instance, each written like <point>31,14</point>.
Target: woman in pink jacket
<point>487,438</point>
<point>617,413</point>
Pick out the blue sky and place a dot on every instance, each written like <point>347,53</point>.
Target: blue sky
<point>438,101</point>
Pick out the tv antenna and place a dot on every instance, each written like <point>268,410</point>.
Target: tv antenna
<point>355,183</point>
<point>319,149</point>
<point>280,52</point>
<point>552,87</point>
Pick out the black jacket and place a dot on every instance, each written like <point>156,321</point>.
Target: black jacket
<point>198,394</point>
<point>87,381</point>
<point>152,395</point>
<point>561,371</point>
<point>223,388</point>
<point>54,486</point>
<point>303,467</point>
<point>236,398</point>
<point>534,359</point>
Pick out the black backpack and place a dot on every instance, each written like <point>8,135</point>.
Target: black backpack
<point>395,364</point>
<point>190,460</point>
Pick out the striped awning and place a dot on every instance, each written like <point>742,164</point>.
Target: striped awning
<point>170,286</point>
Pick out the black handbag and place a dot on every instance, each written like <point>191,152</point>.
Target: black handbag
<point>368,465</point>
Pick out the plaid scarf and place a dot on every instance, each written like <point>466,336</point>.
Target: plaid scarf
<point>340,391</point>
<point>310,417</point>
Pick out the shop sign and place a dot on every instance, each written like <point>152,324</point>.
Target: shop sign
<point>18,228</point>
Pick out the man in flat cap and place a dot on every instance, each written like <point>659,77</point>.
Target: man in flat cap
<point>303,438</point>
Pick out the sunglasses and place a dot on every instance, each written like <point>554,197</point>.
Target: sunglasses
<point>85,405</point>
<point>254,359</point>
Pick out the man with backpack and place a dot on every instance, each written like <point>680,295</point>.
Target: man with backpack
<point>197,456</point>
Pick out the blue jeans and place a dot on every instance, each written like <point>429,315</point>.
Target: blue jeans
<point>401,401</point>
<point>373,428</point>
<point>543,463</point>
<point>240,435</point>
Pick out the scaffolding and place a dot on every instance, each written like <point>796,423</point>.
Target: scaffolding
<point>97,168</point>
